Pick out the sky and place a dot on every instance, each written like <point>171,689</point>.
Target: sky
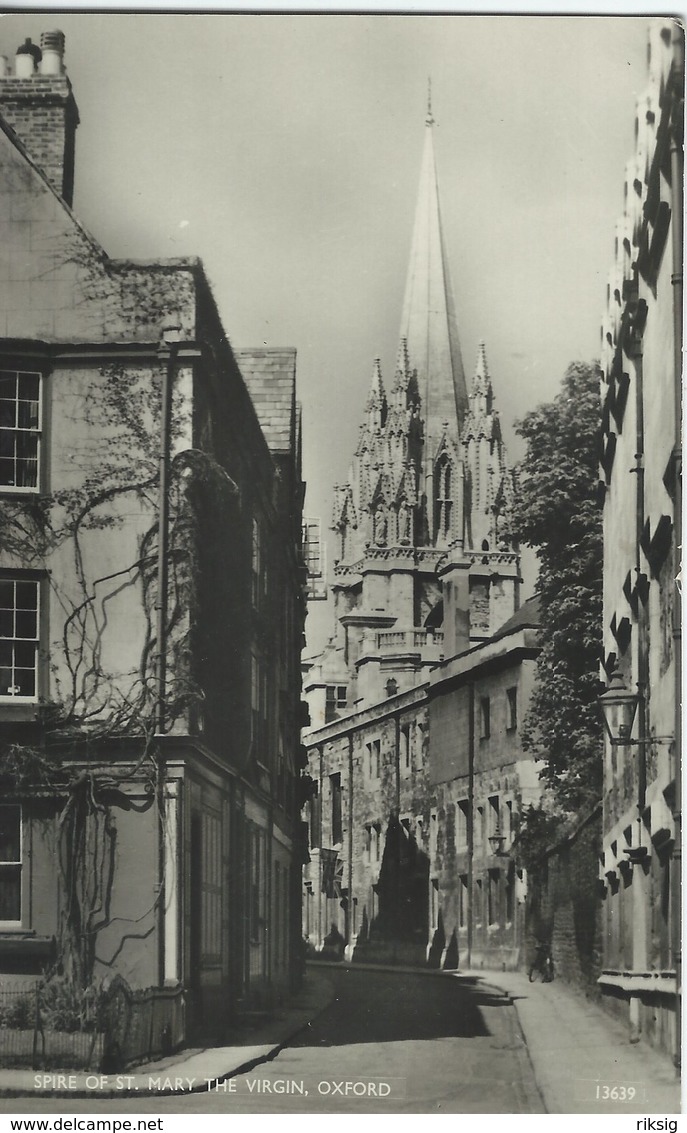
<point>284,150</point>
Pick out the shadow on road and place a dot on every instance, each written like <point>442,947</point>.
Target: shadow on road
<point>394,1007</point>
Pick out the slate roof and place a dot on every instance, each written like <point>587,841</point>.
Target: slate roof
<point>527,617</point>
<point>270,376</point>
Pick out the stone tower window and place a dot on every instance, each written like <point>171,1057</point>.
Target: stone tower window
<point>443,495</point>
<point>256,563</point>
<point>485,718</point>
<point>335,702</point>
<point>336,814</point>
<point>512,709</point>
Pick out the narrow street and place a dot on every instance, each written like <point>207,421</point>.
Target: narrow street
<point>389,1043</point>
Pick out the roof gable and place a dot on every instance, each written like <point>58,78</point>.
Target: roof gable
<point>57,283</point>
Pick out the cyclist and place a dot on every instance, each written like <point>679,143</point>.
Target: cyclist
<point>542,965</point>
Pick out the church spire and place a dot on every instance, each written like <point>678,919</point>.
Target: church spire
<point>428,322</point>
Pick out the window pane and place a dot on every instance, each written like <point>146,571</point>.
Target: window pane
<point>8,384</point>
<point>27,474</point>
<point>8,414</point>
<point>24,682</point>
<point>27,460</point>
<point>6,680</point>
<point>7,438</point>
<point>25,655</point>
<point>10,833</point>
<point>6,472</point>
<point>10,893</point>
<point>27,439</point>
<point>29,386</point>
<point>27,624</point>
<point>27,446</point>
<point>27,596</point>
<point>28,415</point>
<point>5,654</point>
<point>6,623</point>
<point>6,594</point>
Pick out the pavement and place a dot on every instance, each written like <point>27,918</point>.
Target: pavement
<point>189,1070</point>
<point>582,1058</point>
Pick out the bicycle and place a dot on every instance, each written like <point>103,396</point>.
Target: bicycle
<point>542,965</point>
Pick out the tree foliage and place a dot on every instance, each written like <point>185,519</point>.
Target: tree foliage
<point>535,829</point>
<point>555,511</point>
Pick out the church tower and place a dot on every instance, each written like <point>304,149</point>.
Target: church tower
<point>417,522</point>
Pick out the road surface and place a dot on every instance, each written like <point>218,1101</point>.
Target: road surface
<point>389,1043</point>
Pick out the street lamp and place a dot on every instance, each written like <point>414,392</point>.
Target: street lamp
<point>496,841</point>
<point>618,709</point>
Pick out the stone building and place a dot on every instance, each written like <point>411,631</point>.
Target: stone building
<point>640,483</point>
<point>415,701</point>
<point>151,605</point>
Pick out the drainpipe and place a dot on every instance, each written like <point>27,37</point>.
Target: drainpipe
<point>676,172</point>
<point>642,643</point>
<point>320,934</point>
<point>471,812</point>
<point>399,839</point>
<point>639,927</point>
<point>167,353</point>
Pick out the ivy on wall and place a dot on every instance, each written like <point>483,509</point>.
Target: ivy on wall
<point>108,500</point>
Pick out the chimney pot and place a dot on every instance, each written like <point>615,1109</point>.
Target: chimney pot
<point>26,59</point>
<point>52,44</point>
<point>24,66</point>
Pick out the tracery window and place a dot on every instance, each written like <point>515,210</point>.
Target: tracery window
<point>443,495</point>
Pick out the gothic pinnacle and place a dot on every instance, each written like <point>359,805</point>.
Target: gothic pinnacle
<point>481,382</point>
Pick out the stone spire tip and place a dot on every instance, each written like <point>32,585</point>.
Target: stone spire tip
<point>481,382</point>
<point>376,386</point>
<point>429,120</point>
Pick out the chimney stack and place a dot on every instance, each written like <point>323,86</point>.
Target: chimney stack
<point>37,102</point>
